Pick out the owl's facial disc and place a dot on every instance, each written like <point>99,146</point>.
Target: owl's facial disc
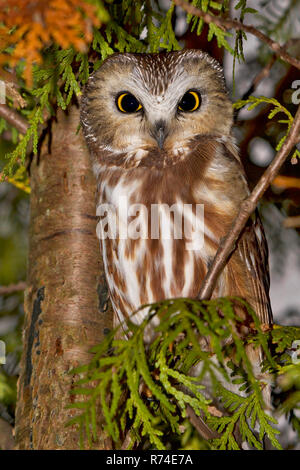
<point>137,103</point>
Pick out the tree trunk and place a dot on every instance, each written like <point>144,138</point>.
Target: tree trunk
<point>66,303</point>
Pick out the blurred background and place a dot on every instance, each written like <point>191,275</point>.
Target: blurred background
<point>257,138</point>
<point>14,220</point>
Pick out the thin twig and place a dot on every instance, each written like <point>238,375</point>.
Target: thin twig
<point>227,245</point>
<point>14,118</point>
<point>12,288</point>
<point>199,424</point>
<point>127,441</point>
<point>227,24</point>
<point>12,91</point>
<point>264,72</point>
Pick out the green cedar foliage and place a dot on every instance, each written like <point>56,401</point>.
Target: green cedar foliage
<point>146,387</point>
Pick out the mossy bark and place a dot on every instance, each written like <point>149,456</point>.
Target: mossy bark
<point>66,303</point>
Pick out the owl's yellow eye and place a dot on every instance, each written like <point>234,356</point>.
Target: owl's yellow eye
<point>127,103</point>
<point>190,101</point>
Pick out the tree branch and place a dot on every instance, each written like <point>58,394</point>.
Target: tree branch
<point>292,222</point>
<point>12,91</point>
<point>285,182</point>
<point>227,244</point>
<point>14,118</point>
<point>12,288</point>
<point>199,424</point>
<point>227,24</point>
<point>255,82</point>
<point>259,77</point>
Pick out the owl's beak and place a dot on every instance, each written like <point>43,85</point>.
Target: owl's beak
<point>160,132</point>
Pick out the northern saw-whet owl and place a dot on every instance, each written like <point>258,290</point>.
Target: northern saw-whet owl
<point>159,131</point>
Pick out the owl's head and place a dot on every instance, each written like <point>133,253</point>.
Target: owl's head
<point>137,102</point>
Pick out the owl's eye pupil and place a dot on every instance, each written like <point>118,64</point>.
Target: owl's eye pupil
<point>127,103</point>
<point>190,101</point>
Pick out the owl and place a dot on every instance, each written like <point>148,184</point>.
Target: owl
<point>169,181</point>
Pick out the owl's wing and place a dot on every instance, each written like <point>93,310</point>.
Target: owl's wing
<point>253,251</point>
